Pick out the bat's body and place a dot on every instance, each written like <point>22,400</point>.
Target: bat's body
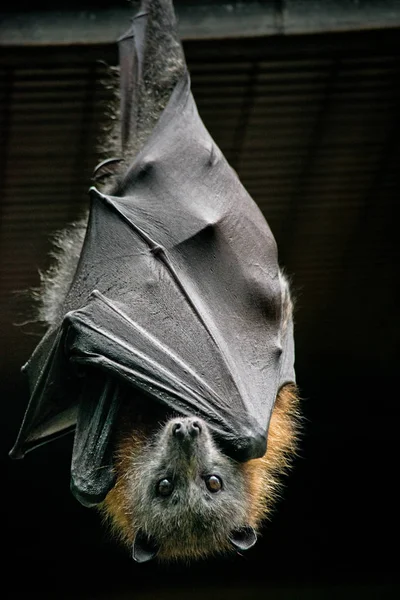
<point>157,316</point>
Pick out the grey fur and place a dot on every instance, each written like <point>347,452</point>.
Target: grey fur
<point>287,302</point>
<point>55,282</point>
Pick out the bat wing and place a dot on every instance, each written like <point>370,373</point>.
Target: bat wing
<point>177,293</point>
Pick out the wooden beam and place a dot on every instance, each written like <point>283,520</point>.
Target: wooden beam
<point>202,20</point>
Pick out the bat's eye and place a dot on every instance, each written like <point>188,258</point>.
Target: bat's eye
<point>213,483</point>
<point>165,487</point>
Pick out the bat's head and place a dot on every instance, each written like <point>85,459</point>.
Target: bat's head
<point>179,497</point>
<point>193,498</point>
<point>186,498</point>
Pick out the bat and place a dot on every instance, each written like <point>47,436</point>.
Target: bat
<point>170,350</point>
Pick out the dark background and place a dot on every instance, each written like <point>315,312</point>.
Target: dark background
<point>311,123</point>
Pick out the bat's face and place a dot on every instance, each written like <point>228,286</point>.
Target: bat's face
<point>178,496</point>
<point>186,498</point>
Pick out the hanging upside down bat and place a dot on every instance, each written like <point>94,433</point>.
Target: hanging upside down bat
<point>169,351</point>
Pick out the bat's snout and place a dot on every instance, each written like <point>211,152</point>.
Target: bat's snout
<point>187,429</point>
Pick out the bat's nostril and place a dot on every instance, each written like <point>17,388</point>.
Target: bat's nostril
<point>187,428</point>
<point>177,429</point>
<point>195,428</point>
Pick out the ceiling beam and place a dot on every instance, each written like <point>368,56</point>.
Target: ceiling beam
<point>201,20</point>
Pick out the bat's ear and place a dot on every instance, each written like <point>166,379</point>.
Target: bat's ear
<point>144,547</point>
<point>243,538</point>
